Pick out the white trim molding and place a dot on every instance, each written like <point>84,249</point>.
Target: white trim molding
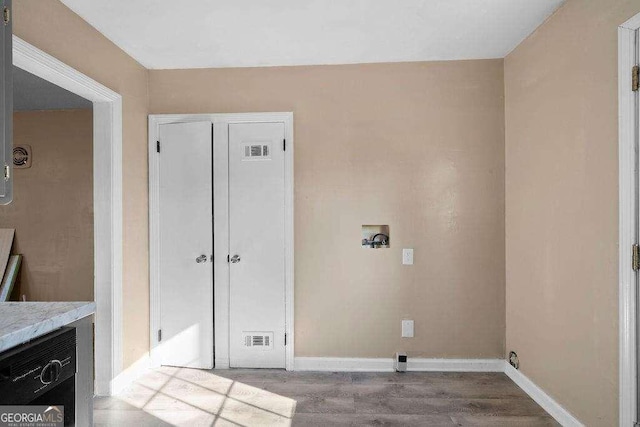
<point>220,229</point>
<point>628,220</point>
<point>343,364</point>
<point>456,365</point>
<point>107,202</point>
<point>353,364</point>
<point>130,374</point>
<point>632,24</point>
<point>557,411</point>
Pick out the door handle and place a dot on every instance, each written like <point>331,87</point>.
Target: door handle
<point>201,259</point>
<point>235,259</point>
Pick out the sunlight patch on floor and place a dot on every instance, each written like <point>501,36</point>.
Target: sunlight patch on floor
<point>191,397</point>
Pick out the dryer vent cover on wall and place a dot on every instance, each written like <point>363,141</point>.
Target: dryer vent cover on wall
<point>22,156</point>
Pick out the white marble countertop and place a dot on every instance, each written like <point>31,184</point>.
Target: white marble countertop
<point>23,321</point>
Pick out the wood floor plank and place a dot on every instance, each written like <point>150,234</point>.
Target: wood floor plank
<point>278,375</point>
<point>503,421</point>
<point>323,420</point>
<point>430,378</point>
<point>415,406</point>
<point>6,241</point>
<point>403,420</point>
<point>11,274</point>
<point>326,405</point>
<point>311,390</point>
<point>452,390</point>
<point>110,418</point>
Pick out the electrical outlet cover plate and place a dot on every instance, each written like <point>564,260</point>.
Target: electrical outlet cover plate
<point>407,329</point>
<point>407,256</point>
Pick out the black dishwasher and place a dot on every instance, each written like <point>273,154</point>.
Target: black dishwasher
<point>41,372</point>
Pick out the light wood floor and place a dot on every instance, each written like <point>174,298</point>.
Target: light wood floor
<point>172,396</point>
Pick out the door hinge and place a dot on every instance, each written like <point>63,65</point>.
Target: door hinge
<point>635,78</point>
<point>284,145</point>
<point>285,339</point>
<point>6,15</point>
<point>159,335</point>
<point>635,257</point>
<point>7,173</point>
<point>158,146</point>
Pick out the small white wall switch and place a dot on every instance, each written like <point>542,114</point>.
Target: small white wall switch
<point>407,256</point>
<point>407,329</point>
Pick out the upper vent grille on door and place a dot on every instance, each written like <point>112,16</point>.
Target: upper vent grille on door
<point>258,340</point>
<point>256,152</point>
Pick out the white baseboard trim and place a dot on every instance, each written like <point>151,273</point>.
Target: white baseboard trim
<point>129,375</point>
<point>455,365</point>
<point>348,364</point>
<point>101,388</point>
<point>343,364</point>
<point>554,409</point>
<point>221,363</point>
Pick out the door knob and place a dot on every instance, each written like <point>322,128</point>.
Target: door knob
<point>201,259</point>
<point>235,259</point>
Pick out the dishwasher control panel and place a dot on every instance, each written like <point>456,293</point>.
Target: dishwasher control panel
<point>31,369</point>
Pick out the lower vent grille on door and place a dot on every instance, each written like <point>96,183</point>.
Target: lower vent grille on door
<point>258,340</point>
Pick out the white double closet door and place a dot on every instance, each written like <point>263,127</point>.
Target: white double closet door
<point>256,249</point>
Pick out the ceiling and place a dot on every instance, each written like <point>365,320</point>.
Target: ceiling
<point>249,33</point>
<point>33,93</point>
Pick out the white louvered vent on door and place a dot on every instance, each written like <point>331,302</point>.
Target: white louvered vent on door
<point>255,151</point>
<point>258,340</point>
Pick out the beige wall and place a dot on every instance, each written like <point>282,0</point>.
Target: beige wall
<point>52,27</point>
<point>52,210</point>
<point>435,129</point>
<point>417,146</point>
<point>562,206</point>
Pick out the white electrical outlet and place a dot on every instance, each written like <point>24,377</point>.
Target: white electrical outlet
<point>407,329</point>
<point>407,256</point>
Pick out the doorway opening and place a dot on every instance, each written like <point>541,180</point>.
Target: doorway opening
<point>53,174</point>
<point>107,204</point>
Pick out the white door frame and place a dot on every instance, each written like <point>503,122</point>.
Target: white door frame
<point>220,230</point>
<point>627,134</point>
<point>107,203</point>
